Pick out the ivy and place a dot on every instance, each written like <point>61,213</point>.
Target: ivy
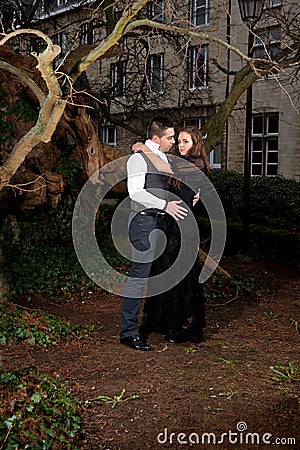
<point>35,328</point>
<point>38,412</point>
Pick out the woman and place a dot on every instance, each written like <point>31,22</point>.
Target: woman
<point>179,313</point>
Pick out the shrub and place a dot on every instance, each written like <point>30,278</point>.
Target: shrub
<point>38,412</point>
<point>47,264</point>
<point>274,201</point>
<point>34,327</point>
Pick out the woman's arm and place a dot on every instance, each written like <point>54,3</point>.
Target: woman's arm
<point>160,165</point>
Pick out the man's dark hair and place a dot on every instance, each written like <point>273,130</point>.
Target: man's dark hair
<point>158,125</point>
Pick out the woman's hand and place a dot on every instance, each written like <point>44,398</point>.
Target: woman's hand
<point>160,165</point>
<point>196,197</point>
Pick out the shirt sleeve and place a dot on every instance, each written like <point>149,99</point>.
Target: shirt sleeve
<point>136,171</point>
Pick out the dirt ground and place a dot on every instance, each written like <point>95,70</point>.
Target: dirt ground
<point>220,392</point>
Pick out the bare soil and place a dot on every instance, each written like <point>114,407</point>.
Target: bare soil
<point>223,385</point>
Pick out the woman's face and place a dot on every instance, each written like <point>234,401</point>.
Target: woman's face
<point>185,143</point>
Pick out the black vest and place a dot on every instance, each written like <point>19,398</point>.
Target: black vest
<point>155,182</point>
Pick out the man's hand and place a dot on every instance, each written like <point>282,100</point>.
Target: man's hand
<point>175,210</point>
<point>196,197</point>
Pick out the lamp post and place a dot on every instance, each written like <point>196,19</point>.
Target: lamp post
<point>251,11</point>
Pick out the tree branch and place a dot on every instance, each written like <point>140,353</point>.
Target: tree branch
<point>25,79</point>
<point>113,38</point>
<point>52,107</point>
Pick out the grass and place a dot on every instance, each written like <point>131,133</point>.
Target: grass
<point>286,373</point>
<point>113,401</point>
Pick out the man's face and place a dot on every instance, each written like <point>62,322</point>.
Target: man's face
<point>167,140</point>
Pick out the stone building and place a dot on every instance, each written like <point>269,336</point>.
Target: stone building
<point>154,72</point>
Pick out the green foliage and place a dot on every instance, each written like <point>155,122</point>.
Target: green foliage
<point>229,188</point>
<point>272,316</point>
<point>295,324</point>
<point>37,412</point>
<point>22,107</point>
<point>189,350</point>
<point>7,127</point>
<point>226,360</point>
<point>26,109</point>
<point>47,264</point>
<point>221,286</point>
<point>275,201</point>
<point>286,373</point>
<point>71,169</point>
<point>113,401</point>
<point>34,328</point>
<point>106,245</point>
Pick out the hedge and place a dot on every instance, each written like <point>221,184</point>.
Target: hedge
<point>274,216</point>
<point>274,201</point>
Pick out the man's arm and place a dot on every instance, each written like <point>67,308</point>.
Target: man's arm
<point>137,169</point>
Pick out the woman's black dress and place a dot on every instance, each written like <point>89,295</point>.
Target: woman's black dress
<point>178,313</point>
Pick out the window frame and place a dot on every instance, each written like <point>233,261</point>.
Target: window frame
<point>105,129</point>
<point>270,4</point>
<point>265,136</point>
<point>194,7</point>
<point>151,72</point>
<point>264,45</point>
<point>118,78</point>
<point>194,80</point>
<point>87,33</point>
<point>198,122</point>
<point>154,14</point>
<point>60,39</point>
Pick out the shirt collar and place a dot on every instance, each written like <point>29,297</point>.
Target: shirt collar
<point>154,147</point>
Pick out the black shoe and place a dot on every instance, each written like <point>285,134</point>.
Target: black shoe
<point>177,337</point>
<point>182,336</point>
<point>144,332</point>
<point>197,336</point>
<point>136,342</point>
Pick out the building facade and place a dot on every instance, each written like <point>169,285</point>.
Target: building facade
<point>155,71</point>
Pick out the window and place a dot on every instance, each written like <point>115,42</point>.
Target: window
<point>87,33</point>
<point>264,144</point>
<point>38,45</point>
<point>267,44</point>
<point>156,11</point>
<point>118,78</point>
<point>215,156</point>
<point>198,67</point>
<point>155,69</point>
<point>109,135</point>
<point>200,12</point>
<point>272,3</point>
<point>61,40</point>
<point>41,7</point>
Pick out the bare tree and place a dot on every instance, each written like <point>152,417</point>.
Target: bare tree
<point>54,86</point>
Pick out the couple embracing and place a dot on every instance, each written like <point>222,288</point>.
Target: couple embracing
<point>178,313</point>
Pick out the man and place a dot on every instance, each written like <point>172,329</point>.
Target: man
<point>147,189</point>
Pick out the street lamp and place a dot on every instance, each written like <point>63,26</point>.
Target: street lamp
<point>251,11</point>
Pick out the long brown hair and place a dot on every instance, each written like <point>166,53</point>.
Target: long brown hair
<point>198,144</point>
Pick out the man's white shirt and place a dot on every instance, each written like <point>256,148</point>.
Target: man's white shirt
<point>136,172</point>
